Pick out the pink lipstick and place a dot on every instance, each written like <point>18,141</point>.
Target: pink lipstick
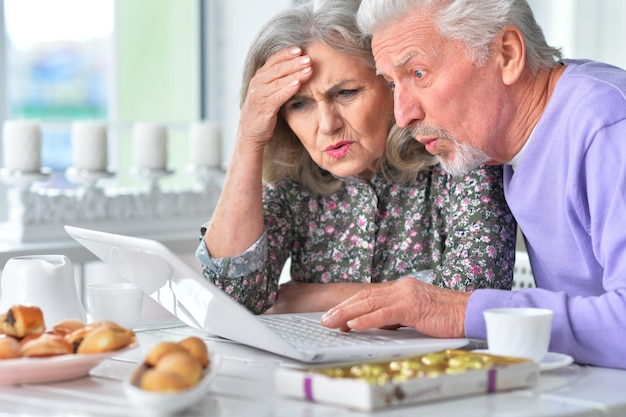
<point>338,150</point>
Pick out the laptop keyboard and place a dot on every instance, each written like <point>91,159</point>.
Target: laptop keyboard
<point>303,333</point>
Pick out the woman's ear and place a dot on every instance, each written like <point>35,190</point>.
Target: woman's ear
<point>511,54</point>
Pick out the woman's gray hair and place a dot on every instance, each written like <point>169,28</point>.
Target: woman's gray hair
<point>475,22</point>
<point>332,22</point>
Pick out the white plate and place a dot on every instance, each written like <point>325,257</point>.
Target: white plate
<point>169,403</point>
<point>552,360</point>
<point>53,368</point>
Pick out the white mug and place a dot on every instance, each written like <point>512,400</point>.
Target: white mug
<point>44,281</point>
<point>120,302</point>
<point>519,332</point>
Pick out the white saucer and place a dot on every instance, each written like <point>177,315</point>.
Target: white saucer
<point>552,360</point>
<point>555,360</point>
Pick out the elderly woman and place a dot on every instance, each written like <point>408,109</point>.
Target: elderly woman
<point>310,180</point>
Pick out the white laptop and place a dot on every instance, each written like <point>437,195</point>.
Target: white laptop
<point>196,301</point>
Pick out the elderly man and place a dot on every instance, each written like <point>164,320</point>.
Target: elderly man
<point>477,83</point>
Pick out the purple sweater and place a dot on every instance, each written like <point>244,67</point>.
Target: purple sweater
<point>568,194</point>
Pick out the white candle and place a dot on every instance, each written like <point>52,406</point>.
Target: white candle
<point>89,146</point>
<point>206,144</point>
<point>149,145</point>
<point>21,144</point>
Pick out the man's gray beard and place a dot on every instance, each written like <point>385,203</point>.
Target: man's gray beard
<point>465,159</point>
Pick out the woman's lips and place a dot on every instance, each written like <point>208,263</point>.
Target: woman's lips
<point>338,150</point>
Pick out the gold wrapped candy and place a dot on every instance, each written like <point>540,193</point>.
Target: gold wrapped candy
<point>430,365</point>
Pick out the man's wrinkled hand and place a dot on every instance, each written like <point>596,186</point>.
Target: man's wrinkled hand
<point>431,310</point>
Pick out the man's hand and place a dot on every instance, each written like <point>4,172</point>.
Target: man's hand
<point>431,310</point>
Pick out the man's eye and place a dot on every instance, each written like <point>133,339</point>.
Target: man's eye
<point>419,73</point>
<point>391,84</point>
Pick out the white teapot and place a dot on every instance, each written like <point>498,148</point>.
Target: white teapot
<point>45,281</point>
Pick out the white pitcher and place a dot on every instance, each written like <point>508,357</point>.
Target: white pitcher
<point>45,281</point>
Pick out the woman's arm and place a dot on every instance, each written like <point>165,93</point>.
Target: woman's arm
<point>303,297</point>
<point>237,221</point>
<point>251,278</point>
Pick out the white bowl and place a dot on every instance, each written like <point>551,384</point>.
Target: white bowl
<point>169,403</point>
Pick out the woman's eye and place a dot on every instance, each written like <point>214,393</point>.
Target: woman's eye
<point>296,105</point>
<point>347,93</point>
<point>419,73</point>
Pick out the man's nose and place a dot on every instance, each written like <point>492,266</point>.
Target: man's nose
<point>407,109</point>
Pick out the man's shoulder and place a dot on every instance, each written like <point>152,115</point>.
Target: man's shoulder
<point>593,76</point>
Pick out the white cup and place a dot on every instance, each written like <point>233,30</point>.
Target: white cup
<point>44,281</point>
<point>119,302</point>
<point>519,332</point>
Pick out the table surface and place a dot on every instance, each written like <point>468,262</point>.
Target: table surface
<point>244,387</point>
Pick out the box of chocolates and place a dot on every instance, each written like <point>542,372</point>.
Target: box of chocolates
<point>428,377</point>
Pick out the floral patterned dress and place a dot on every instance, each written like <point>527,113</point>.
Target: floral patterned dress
<point>460,227</point>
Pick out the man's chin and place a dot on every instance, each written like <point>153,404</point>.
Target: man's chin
<point>463,160</point>
<point>454,171</point>
<point>454,168</point>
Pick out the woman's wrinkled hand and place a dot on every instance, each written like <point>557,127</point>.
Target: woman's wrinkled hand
<point>272,85</point>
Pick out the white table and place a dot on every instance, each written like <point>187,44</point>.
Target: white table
<point>244,387</point>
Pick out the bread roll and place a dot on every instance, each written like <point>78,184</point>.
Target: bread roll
<point>197,348</point>
<point>9,348</point>
<point>23,320</point>
<point>162,381</point>
<point>181,364</point>
<point>46,345</point>
<point>175,366</point>
<point>159,350</point>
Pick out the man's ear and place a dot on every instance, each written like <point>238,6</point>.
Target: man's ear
<point>511,54</point>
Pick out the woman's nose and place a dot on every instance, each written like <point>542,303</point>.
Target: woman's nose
<point>330,120</point>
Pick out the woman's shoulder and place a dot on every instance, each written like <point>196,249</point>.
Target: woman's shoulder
<point>484,177</point>
<point>285,187</point>
<point>488,173</point>
<point>290,190</point>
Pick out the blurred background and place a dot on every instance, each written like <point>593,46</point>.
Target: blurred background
<point>177,61</point>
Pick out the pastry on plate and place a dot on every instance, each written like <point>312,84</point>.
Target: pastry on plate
<point>9,348</point>
<point>67,326</point>
<point>23,320</point>
<point>104,338</point>
<point>46,345</point>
